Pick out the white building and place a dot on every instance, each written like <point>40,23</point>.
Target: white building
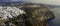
<point>9,12</point>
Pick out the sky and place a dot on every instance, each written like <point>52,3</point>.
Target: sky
<point>51,2</point>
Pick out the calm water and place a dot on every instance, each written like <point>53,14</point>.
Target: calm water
<point>56,21</point>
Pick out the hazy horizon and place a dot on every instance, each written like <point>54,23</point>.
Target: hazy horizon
<point>50,2</point>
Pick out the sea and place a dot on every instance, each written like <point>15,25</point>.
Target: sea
<point>55,21</point>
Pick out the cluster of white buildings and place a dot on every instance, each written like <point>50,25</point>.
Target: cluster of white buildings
<point>10,12</point>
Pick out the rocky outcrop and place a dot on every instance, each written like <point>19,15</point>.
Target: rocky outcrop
<point>35,15</point>
<point>38,15</point>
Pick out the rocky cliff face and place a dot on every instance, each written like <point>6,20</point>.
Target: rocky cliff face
<point>35,15</point>
<point>38,15</point>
